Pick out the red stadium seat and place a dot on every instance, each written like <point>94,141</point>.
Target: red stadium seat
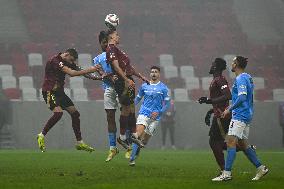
<point>12,93</point>
<point>96,94</point>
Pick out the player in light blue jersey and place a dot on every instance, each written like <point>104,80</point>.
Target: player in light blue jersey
<point>110,96</point>
<point>156,102</point>
<point>242,113</point>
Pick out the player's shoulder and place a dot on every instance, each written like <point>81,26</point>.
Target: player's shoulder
<point>243,77</point>
<point>220,79</point>
<point>55,58</point>
<point>163,85</point>
<point>144,85</point>
<point>100,58</point>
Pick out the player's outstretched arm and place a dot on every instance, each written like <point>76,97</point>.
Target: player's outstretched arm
<point>140,76</point>
<point>73,73</point>
<point>90,75</point>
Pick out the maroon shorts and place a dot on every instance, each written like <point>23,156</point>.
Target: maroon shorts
<point>56,98</point>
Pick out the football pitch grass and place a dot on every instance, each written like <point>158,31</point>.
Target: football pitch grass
<point>154,169</point>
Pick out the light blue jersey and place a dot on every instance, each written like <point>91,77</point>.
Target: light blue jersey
<point>101,59</point>
<point>243,85</point>
<point>154,96</point>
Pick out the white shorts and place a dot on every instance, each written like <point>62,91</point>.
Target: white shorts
<point>110,99</point>
<point>239,129</point>
<point>150,125</point>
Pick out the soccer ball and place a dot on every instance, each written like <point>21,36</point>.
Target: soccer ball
<point>111,21</point>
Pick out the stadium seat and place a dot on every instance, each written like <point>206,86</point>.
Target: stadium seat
<point>38,75</point>
<point>26,82</point>
<point>80,94</point>
<point>192,83</point>
<point>170,72</point>
<point>166,60</point>
<point>12,93</point>
<point>96,93</point>
<point>35,59</point>
<point>181,95</point>
<point>9,82</point>
<point>258,83</point>
<point>29,94</point>
<point>85,60</point>
<point>6,70</point>
<point>186,71</point>
<point>278,95</point>
<point>195,94</point>
<point>76,82</point>
<point>206,82</point>
<point>40,97</point>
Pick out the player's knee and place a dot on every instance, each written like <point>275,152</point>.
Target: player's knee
<point>231,142</point>
<point>125,111</point>
<point>58,115</point>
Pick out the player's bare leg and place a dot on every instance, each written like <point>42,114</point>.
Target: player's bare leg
<point>75,116</point>
<point>125,111</point>
<point>57,114</point>
<point>112,134</point>
<point>231,154</point>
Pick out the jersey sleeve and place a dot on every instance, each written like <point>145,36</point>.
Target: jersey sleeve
<point>95,61</point>
<point>223,85</point>
<point>241,86</point>
<point>111,54</point>
<point>141,92</point>
<point>166,94</point>
<point>58,65</point>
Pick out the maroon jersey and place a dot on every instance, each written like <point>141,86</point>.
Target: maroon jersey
<point>218,87</point>
<point>114,53</point>
<point>54,78</point>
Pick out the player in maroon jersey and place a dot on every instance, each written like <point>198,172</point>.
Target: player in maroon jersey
<point>219,98</point>
<point>53,93</point>
<point>124,86</point>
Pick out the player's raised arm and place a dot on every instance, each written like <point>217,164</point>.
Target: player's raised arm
<point>73,73</point>
<point>139,75</point>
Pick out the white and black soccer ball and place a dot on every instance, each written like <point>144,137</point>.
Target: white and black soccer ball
<point>112,21</point>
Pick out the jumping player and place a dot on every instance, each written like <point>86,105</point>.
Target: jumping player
<point>124,86</point>
<point>53,93</point>
<point>110,95</point>
<point>156,102</point>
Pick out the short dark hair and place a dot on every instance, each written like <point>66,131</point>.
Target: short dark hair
<point>103,35</point>
<point>110,31</point>
<point>72,52</point>
<point>156,68</point>
<point>241,62</point>
<point>220,64</point>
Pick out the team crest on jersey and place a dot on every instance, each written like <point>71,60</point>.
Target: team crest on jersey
<point>112,55</point>
<point>61,64</point>
<point>224,86</point>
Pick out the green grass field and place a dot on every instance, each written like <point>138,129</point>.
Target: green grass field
<point>154,169</point>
